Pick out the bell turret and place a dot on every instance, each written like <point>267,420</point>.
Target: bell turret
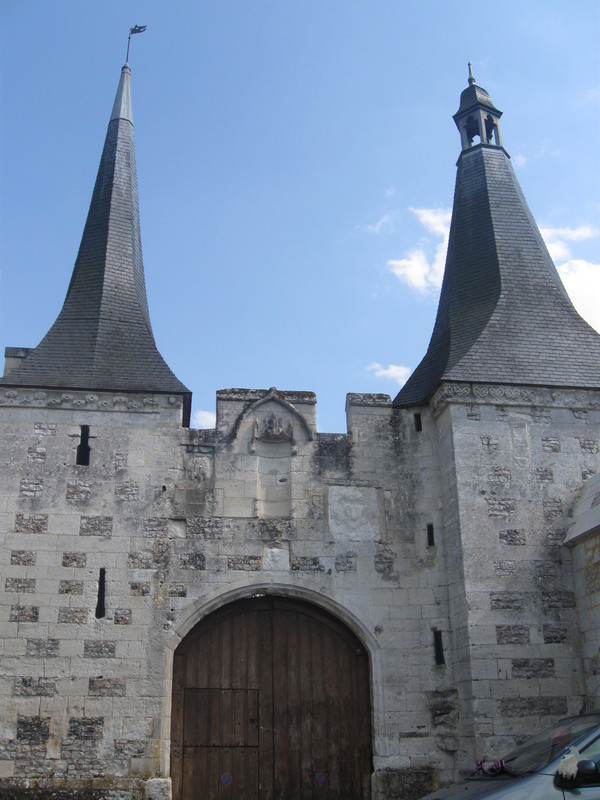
<point>504,316</point>
<point>477,117</point>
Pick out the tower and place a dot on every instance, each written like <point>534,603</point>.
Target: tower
<point>102,339</point>
<point>511,379</point>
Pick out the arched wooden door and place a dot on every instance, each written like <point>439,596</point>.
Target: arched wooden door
<point>271,702</point>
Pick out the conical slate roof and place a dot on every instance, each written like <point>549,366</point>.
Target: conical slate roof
<point>102,338</point>
<point>504,315</point>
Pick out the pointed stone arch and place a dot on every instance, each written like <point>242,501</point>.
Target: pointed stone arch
<point>276,397</point>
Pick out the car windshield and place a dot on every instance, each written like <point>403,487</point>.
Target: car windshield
<point>545,747</point>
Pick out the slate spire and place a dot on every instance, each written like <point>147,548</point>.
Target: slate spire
<point>102,339</point>
<point>503,315</point>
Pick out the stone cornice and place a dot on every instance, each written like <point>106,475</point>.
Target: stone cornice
<point>91,401</point>
<point>507,395</point>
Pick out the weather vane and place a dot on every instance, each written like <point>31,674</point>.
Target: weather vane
<point>132,31</point>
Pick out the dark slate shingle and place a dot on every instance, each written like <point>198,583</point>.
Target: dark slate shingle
<point>102,338</point>
<point>504,315</point>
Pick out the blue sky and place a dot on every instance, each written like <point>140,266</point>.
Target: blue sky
<point>296,166</point>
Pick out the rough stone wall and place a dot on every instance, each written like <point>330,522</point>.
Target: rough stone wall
<point>521,458</point>
<point>80,683</point>
<point>584,541</point>
<point>435,536</point>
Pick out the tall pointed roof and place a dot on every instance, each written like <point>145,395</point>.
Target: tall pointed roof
<point>102,338</point>
<point>503,315</point>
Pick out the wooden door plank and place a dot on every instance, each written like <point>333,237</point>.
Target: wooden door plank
<point>177,724</point>
<point>318,705</point>
<point>263,653</point>
<point>305,682</point>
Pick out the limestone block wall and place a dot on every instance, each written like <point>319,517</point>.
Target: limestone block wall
<point>583,539</point>
<point>84,555</point>
<point>106,566</point>
<point>586,577</point>
<point>521,457</point>
<point>435,534</point>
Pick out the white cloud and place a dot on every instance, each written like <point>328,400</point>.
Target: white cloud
<point>519,160</point>
<point>580,277</point>
<point>393,372</point>
<point>582,282</point>
<point>418,269</point>
<point>204,419</point>
<point>578,234</point>
<point>385,224</point>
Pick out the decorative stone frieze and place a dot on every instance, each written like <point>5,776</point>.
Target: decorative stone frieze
<point>531,397</point>
<point>106,402</point>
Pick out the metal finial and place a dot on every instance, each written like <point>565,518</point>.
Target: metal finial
<point>471,77</point>
<point>135,29</point>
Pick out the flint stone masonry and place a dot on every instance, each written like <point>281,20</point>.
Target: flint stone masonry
<point>35,523</point>
<point>45,429</point>
<point>42,648</point>
<point>70,587</point>
<point>34,687</point>
<point>508,600</point>
<point>195,561</point>
<point>345,562</point>
<point>36,454</point>
<point>96,526</point>
<point>20,585</point>
<point>512,634</point>
<point>533,706</point>
<point>127,492</point>
<point>31,488</point>
<point>306,564</point>
<point>139,588</point>
<point>72,616</point>
<point>555,634</point>
<point>559,599</point>
<point>23,558</point>
<point>33,729</point>
<point>512,537</point>
<point>204,527</point>
<point>107,687</point>
<point>86,728</point>
<point>245,563</point>
<point>74,559</point>
<point>102,649</point>
<point>24,613</point>
<point>78,492</point>
<point>532,668</point>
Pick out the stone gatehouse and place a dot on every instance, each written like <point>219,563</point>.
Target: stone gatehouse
<point>263,610</point>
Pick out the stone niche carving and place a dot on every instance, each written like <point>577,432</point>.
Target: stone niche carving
<point>354,514</point>
<point>266,438</point>
<point>273,427</point>
<point>273,445</point>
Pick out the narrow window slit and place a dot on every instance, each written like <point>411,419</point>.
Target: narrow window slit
<point>430,537</point>
<point>83,448</point>
<point>438,647</point>
<point>418,423</point>
<point>100,605</point>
